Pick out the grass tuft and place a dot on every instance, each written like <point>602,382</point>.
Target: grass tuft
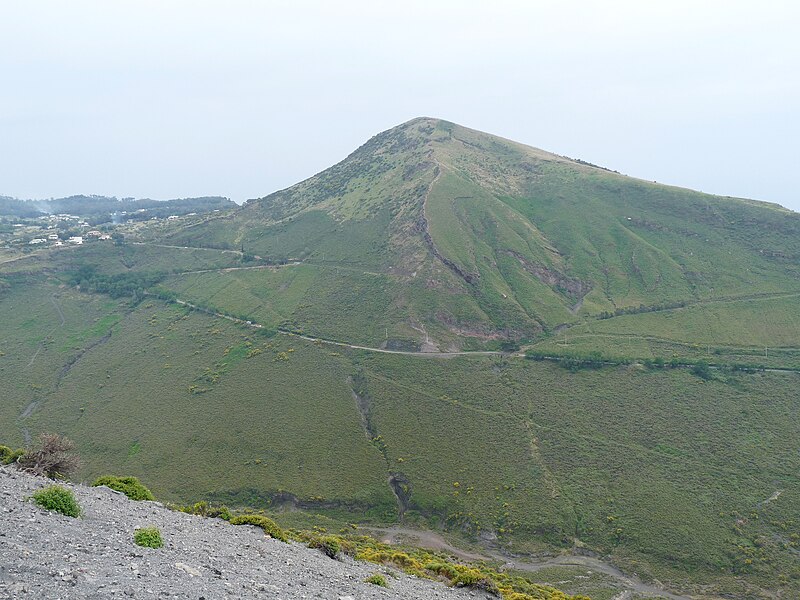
<point>377,579</point>
<point>148,537</point>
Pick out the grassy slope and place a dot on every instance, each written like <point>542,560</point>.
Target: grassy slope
<point>35,346</point>
<point>206,408</point>
<point>544,241</point>
<point>672,459</point>
<point>662,470</point>
<point>111,259</point>
<point>748,331</point>
<point>632,242</point>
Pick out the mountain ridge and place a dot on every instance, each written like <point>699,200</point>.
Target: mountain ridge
<point>434,122</point>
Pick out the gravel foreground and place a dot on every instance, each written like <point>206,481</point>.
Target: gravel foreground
<point>47,555</point>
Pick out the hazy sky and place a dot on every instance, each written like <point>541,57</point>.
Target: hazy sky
<point>185,98</point>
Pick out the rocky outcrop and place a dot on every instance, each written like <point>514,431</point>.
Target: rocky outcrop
<point>563,284</point>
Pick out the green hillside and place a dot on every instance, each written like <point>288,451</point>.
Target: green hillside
<point>666,473</point>
<point>469,239</point>
<point>215,359</point>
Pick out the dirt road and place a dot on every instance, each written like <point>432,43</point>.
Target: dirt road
<point>435,541</point>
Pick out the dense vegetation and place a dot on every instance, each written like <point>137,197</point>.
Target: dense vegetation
<point>104,209</point>
<point>119,285</point>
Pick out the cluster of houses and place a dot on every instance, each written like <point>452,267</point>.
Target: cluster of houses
<point>75,239</point>
<point>50,223</point>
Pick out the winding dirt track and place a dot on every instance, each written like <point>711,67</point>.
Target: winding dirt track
<point>435,541</point>
<point>309,338</point>
<point>320,340</point>
<point>385,351</point>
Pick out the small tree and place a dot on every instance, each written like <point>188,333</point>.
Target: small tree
<point>53,456</point>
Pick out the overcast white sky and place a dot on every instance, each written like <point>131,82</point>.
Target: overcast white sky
<point>182,98</point>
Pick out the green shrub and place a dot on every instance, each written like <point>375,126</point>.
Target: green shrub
<point>404,561</point>
<point>377,579</point>
<point>8,456</point>
<point>204,509</point>
<point>130,486</point>
<point>58,499</point>
<point>702,370</point>
<point>426,564</point>
<point>509,346</point>
<point>148,537</point>
<point>442,569</point>
<point>328,544</point>
<point>269,526</point>
<point>473,578</point>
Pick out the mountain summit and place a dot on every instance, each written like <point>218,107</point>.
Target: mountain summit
<point>481,238</point>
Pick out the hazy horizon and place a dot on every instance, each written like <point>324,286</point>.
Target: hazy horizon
<point>172,100</point>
